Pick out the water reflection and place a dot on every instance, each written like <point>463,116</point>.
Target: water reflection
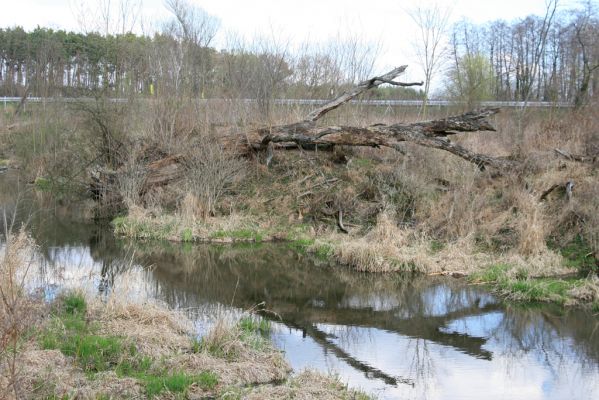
<point>395,337</point>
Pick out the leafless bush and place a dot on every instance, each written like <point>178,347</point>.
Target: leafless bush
<point>17,312</point>
<point>131,180</point>
<point>407,186</point>
<point>211,171</point>
<point>107,130</point>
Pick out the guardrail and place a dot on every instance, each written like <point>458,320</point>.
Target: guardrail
<point>387,103</point>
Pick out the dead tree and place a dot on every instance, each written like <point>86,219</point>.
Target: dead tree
<point>434,133</point>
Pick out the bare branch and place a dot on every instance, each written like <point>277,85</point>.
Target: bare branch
<point>402,84</point>
<point>354,92</point>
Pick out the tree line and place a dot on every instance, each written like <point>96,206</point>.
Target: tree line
<point>553,57</point>
<point>47,62</point>
<point>543,58</point>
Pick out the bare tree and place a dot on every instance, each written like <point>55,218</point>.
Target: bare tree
<point>432,25</point>
<point>585,27</point>
<point>528,73</point>
<point>194,25</point>
<point>194,30</point>
<point>107,16</point>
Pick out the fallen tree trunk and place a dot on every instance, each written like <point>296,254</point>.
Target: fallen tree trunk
<point>307,134</point>
<point>429,134</point>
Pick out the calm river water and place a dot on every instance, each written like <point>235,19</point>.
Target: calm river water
<point>394,337</point>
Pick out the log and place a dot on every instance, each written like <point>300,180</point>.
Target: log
<point>567,188</point>
<point>307,134</point>
<point>429,134</point>
<point>358,90</point>
<point>163,171</point>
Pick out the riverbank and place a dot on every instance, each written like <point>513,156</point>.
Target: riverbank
<point>425,211</point>
<point>556,275</point>
<point>119,347</point>
<point>91,350</point>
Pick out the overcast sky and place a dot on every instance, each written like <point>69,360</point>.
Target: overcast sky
<point>379,21</point>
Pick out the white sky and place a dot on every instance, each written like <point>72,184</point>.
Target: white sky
<point>382,21</point>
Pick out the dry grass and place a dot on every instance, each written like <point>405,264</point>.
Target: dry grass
<point>239,359</point>
<point>587,293</point>
<point>156,330</point>
<point>158,333</point>
<point>441,214</point>
<point>143,223</point>
<point>18,310</point>
<point>307,385</point>
<point>389,248</point>
<point>47,372</point>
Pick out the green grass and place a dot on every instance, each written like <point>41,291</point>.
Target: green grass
<point>43,184</point>
<point>255,332</point>
<point>74,303</point>
<point>539,290</point>
<point>239,234</point>
<point>519,287</point>
<point>187,235</point>
<point>143,229</point>
<point>436,246</point>
<point>178,382</point>
<point>133,366</point>
<point>323,251</point>
<point>578,254</point>
<point>93,352</point>
<point>492,274</point>
<point>119,222</point>
<point>301,245</point>
<point>71,333</point>
<point>156,380</point>
<point>254,325</point>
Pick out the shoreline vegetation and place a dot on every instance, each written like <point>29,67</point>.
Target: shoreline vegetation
<point>76,345</point>
<point>112,350</point>
<point>552,275</point>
